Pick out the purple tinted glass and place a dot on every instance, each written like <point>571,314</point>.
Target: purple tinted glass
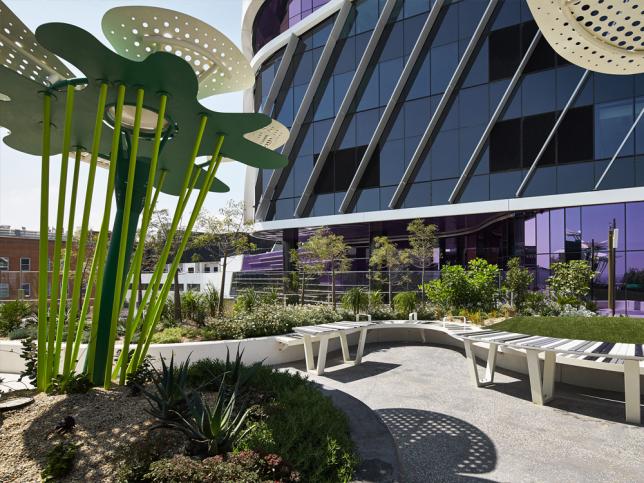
<point>634,226</point>
<point>543,232</point>
<point>277,16</point>
<point>557,242</point>
<point>596,220</point>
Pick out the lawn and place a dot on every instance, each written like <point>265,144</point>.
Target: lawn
<point>606,329</point>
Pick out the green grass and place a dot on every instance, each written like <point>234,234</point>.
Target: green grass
<point>605,329</point>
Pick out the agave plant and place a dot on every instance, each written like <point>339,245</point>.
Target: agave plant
<point>213,430</point>
<point>169,395</point>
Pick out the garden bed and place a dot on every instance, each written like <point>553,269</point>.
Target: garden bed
<point>606,329</point>
<point>295,431</point>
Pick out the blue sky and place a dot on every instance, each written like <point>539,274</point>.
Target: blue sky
<point>20,173</point>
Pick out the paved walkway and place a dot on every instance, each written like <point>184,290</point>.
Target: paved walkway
<point>447,430</point>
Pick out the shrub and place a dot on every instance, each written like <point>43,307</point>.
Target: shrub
<point>570,281</point>
<point>405,303</point>
<point>375,300</point>
<point>173,335</point>
<point>571,311</point>
<point>211,295</point>
<point>537,303</point>
<point>270,297</point>
<point>355,299</point>
<point>517,282</point>
<point>150,447</point>
<point>194,306</point>
<point>483,280</point>
<point>13,315</point>
<point>71,384</point>
<point>23,332</point>
<point>60,461</point>
<point>246,301</point>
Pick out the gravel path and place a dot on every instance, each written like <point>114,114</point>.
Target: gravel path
<point>447,430</point>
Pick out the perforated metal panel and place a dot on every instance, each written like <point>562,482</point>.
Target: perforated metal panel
<point>600,35</point>
<point>20,52</point>
<point>136,32</point>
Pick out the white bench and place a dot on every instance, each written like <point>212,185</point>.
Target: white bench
<point>321,333</point>
<point>542,384</point>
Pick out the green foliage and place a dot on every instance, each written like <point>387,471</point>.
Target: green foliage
<point>29,353</point>
<point>517,282</point>
<point>375,300</point>
<point>212,299</point>
<point>169,392</point>
<point>537,303</point>
<point>389,262</point>
<point>570,281</point>
<point>194,307</point>
<point>149,447</point>
<point>246,300</point>
<point>173,335</point>
<point>141,376</point>
<point>60,461</point>
<point>474,289</point>
<point>607,329</point>
<point>213,430</point>
<point>355,299</point>
<point>422,242</point>
<point>270,297</point>
<point>405,302</point>
<point>71,384</point>
<point>23,332</point>
<point>12,315</point>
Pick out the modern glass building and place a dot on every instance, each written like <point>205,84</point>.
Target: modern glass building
<point>458,112</point>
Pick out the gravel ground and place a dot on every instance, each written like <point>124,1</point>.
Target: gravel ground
<point>448,430</point>
<point>105,422</point>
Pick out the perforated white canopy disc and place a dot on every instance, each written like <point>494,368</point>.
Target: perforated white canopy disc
<point>271,137</point>
<point>20,52</point>
<point>599,35</point>
<point>136,32</point>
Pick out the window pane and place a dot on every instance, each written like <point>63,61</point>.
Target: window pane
<point>505,146</point>
<point>612,122</point>
<point>504,52</point>
<point>391,162</point>
<point>444,60</point>
<point>444,155</point>
<point>418,195</point>
<point>634,226</point>
<point>535,132</point>
<point>574,135</point>
<point>538,92</point>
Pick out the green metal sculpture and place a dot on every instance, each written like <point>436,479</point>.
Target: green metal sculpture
<point>142,120</point>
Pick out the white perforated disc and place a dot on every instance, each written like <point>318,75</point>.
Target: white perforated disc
<point>599,35</point>
<point>271,137</point>
<point>136,32</point>
<point>20,52</point>
<point>87,157</point>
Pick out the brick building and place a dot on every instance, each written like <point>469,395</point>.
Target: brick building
<point>19,262</point>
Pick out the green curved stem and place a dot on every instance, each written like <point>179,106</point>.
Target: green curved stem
<point>62,191</point>
<point>102,239</point>
<point>69,244</point>
<point>43,247</point>
<point>80,259</point>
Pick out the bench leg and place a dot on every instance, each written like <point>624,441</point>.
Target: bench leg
<point>541,387</point>
<point>361,343</point>
<point>308,353</point>
<point>422,336</point>
<point>324,344</point>
<point>474,371</point>
<point>346,355</point>
<point>632,391</point>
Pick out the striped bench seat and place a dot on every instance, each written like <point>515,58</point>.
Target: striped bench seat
<point>542,385</point>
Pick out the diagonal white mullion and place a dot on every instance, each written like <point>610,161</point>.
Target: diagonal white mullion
<point>305,105</point>
<point>619,149</point>
<point>391,104</point>
<point>346,103</point>
<point>445,100</point>
<point>472,163</point>
<point>563,113</point>
<point>280,75</point>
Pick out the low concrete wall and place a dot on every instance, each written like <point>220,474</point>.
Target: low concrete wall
<point>269,351</point>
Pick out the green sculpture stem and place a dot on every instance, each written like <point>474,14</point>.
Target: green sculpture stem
<point>101,245</point>
<point>82,242</point>
<point>62,191</point>
<point>138,257</point>
<point>165,252</point>
<point>160,302</point>
<point>43,247</point>
<point>69,244</point>
<point>127,217</point>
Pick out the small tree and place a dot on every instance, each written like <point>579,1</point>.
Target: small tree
<point>517,282</point>
<point>483,280</point>
<point>422,241</point>
<point>570,281</point>
<point>306,266</point>
<point>331,252</point>
<point>356,300</point>
<point>386,256</point>
<point>226,235</point>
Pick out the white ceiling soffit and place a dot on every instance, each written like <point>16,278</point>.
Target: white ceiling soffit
<point>20,52</point>
<point>136,32</point>
<point>599,35</point>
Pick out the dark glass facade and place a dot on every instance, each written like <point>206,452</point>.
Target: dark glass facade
<point>573,160</point>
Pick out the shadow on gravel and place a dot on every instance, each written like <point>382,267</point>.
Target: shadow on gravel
<point>438,447</point>
<point>361,371</point>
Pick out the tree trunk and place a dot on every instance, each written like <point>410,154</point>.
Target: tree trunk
<point>422,284</point>
<point>223,285</point>
<point>333,286</point>
<point>177,299</point>
<point>303,285</point>
<point>391,300</point>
